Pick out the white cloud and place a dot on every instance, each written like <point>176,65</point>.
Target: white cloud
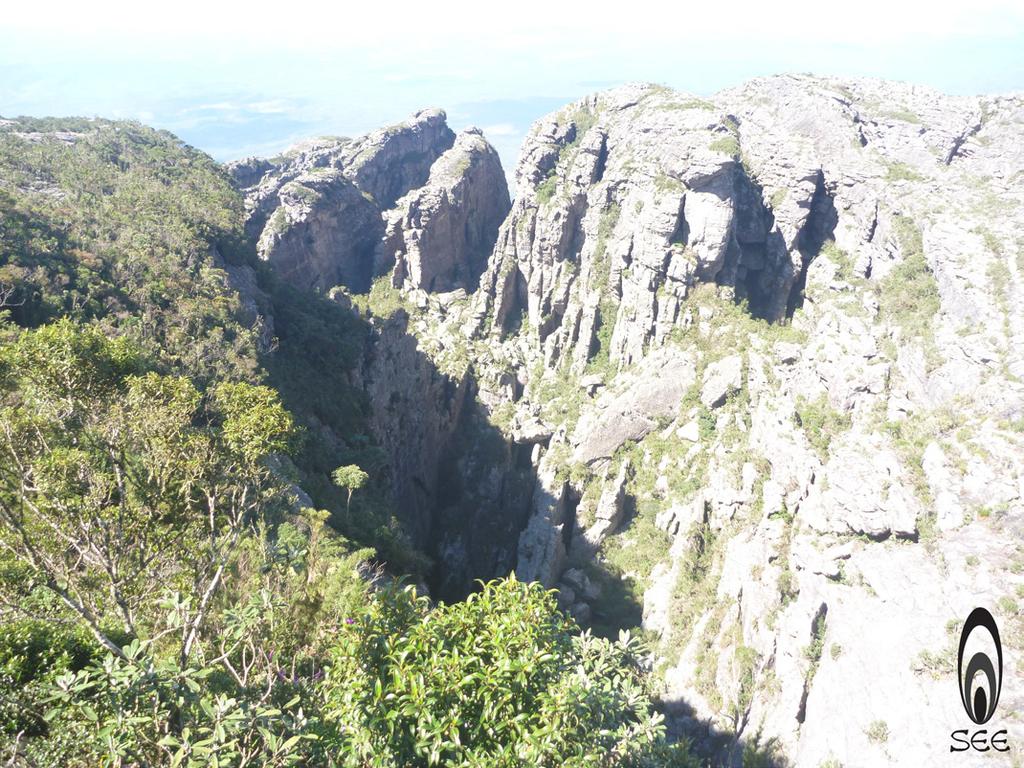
<point>501,129</point>
<point>274,107</point>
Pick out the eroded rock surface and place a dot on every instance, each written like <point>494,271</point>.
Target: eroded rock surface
<point>318,210</point>
<point>440,235</point>
<point>793,312</point>
<point>751,365</point>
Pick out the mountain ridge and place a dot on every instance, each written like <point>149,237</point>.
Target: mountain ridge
<point>736,372</point>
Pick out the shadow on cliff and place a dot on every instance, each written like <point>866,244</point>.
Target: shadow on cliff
<point>461,489</point>
<point>758,264</point>
<point>314,365</point>
<point>717,747</point>
<point>448,493</point>
<point>620,608</point>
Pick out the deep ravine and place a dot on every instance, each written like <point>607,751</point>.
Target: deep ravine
<point>746,381</point>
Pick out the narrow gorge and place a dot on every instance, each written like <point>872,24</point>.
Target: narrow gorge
<point>742,376</point>
<point>741,373</point>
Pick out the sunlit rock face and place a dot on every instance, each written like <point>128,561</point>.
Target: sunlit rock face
<point>440,235</point>
<point>744,371</point>
<point>318,210</point>
<point>780,329</point>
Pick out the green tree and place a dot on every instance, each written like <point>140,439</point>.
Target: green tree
<point>160,601</point>
<point>350,477</point>
<point>117,485</point>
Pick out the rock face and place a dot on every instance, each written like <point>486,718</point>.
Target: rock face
<point>614,225</point>
<point>440,235</point>
<point>820,280</point>
<point>461,488</point>
<point>413,200</point>
<point>746,370</point>
<point>318,210</point>
<point>413,197</point>
<point>424,410</point>
<point>388,163</point>
<point>322,233</point>
<point>633,408</point>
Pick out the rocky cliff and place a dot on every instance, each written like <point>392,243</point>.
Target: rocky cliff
<point>317,211</point>
<point>742,372</point>
<point>417,207</point>
<point>440,235</point>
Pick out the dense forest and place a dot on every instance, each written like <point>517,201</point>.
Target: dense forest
<point>169,596</point>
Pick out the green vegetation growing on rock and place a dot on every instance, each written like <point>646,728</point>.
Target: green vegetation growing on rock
<point>600,360</point>
<point>908,294</point>
<point>821,423</point>
<point>877,732</point>
<point>896,171</point>
<point>666,184</point>
<point>582,119</point>
<point>607,311</point>
<point>730,326</point>
<point>746,660</point>
<point>690,104</point>
<point>842,260</point>
<point>546,189</point>
<point>911,437</point>
<point>308,195</point>
<point>814,649</point>
<point>697,583</point>
<point>728,145</point>
<point>904,114</point>
<point>561,394</point>
<point>383,299</point>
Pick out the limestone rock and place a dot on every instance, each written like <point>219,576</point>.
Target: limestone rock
<point>323,233</point>
<point>863,490</point>
<point>654,235</point>
<point>838,257</point>
<point>442,233</point>
<point>721,379</point>
<point>608,514</point>
<point>541,550</point>
<point>248,172</point>
<point>317,210</point>
<point>633,413</point>
<point>388,163</point>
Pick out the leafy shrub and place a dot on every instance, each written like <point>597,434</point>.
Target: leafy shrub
<point>877,732</point>
<point>186,614</point>
<point>132,228</point>
<point>496,680</point>
<point>902,172</point>
<point>383,299</point>
<point>30,649</point>
<point>546,189</point>
<point>727,145</point>
<point>32,653</point>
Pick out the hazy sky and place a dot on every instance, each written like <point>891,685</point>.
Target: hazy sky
<point>250,78</point>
